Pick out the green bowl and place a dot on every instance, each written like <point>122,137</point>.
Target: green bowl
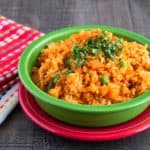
<point>78,114</point>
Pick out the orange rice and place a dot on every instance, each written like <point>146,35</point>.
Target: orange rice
<point>84,86</point>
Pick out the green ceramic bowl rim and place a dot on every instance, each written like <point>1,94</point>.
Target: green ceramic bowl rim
<point>38,93</point>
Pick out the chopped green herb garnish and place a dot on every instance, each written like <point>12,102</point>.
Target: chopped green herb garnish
<point>118,43</point>
<point>54,80</point>
<point>122,63</point>
<point>109,54</point>
<point>92,47</point>
<point>67,61</point>
<point>90,43</point>
<point>77,49</point>
<point>79,52</point>
<point>80,62</point>
<point>79,55</point>
<point>105,39</point>
<point>67,72</point>
<point>104,80</point>
<point>105,32</point>
<point>95,51</point>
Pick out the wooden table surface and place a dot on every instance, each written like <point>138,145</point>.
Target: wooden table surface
<point>18,132</point>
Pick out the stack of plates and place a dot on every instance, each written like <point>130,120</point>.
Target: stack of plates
<point>47,122</point>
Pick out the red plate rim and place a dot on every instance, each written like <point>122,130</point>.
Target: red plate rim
<point>45,121</point>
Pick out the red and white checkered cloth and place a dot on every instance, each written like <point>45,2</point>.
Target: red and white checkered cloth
<point>14,38</point>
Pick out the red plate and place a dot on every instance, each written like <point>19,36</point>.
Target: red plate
<point>39,117</point>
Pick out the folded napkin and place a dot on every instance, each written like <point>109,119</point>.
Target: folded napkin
<point>14,38</point>
<point>8,100</point>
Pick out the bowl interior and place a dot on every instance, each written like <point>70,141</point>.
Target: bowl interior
<point>30,55</point>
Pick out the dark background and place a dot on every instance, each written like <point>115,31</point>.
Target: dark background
<point>18,132</point>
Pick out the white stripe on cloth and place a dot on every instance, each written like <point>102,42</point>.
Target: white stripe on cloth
<point>8,101</point>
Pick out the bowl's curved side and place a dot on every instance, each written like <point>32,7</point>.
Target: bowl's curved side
<point>28,59</point>
<point>90,119</point>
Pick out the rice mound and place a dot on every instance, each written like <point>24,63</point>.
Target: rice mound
<point>83,86</point>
